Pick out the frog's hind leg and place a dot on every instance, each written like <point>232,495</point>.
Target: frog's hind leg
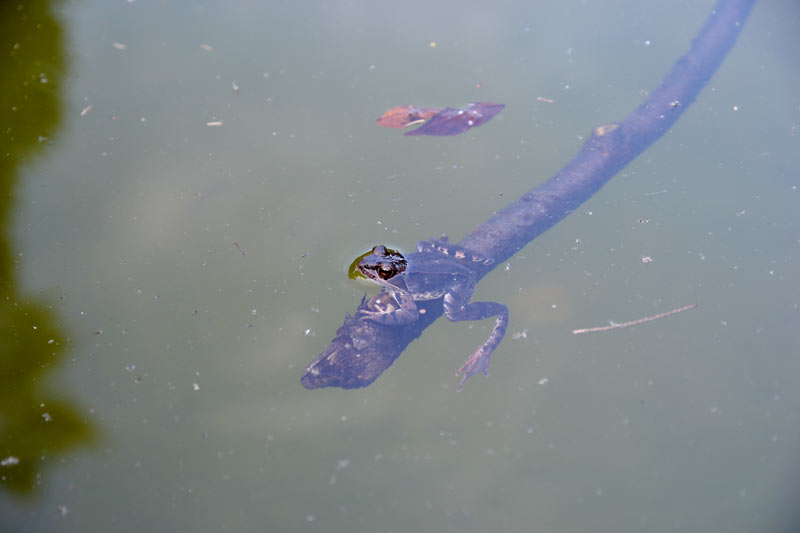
<point>479,361</point>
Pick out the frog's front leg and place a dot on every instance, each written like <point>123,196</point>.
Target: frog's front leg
<point>457,309</point>
<point>405,312</point>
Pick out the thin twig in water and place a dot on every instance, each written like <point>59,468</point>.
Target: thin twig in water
<point>634,322</point>
<point>238,247</point>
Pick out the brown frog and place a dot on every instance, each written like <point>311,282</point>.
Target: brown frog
<point>436,270</point>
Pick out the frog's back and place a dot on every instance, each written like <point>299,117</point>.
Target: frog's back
<point>460,254</point>
<point>431,275</point>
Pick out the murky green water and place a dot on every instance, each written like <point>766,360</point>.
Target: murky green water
<point>185,184</point>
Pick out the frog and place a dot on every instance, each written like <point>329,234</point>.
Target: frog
<point>437,270</point>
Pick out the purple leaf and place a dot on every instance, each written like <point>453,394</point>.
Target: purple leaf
<point>450,121</point>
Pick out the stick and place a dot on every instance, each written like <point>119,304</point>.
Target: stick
<point>634,322</point>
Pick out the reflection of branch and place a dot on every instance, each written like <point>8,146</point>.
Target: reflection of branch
<point>634,322</point>
<point>37,423</point>
<point>363,349</point>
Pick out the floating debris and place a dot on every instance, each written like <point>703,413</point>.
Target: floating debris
<point>634,322</point>
<point>520,335</point>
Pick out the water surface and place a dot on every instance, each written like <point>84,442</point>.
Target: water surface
<point>184,212</point>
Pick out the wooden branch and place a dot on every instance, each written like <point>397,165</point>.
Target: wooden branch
<point>363,349</point>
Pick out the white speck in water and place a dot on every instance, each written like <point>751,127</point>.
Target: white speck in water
<point>47,417</point>
<point>544,381</point>
<point>195,386</point>
<point>10,461</point>
<point>310,518</point>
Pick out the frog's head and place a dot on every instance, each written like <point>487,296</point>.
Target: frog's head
<point>381,265</point>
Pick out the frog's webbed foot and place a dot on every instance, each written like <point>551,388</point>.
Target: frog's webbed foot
<point>479,361</point>
<point>391,309</point>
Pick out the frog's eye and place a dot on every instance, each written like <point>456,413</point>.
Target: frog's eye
<point>386,273</point>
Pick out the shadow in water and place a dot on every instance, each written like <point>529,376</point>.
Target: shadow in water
<point>37,424</point>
